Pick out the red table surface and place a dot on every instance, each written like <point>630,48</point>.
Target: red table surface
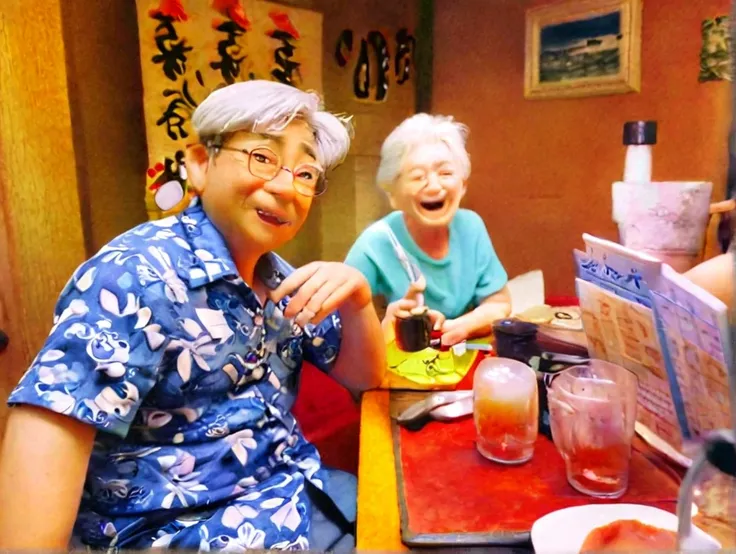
<point>447,487</point>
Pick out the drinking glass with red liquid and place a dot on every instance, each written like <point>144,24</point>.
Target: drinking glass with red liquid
<point>505,409</point>
<point>592,415</point>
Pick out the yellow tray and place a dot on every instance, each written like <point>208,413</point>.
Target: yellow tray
<point>427,369</point>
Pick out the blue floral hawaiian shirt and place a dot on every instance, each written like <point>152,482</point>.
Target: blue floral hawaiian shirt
<point>159,344</point>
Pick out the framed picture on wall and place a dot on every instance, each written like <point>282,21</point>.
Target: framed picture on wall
<point>583,48</point>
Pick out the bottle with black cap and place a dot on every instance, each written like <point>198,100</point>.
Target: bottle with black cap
<point>639,137</point>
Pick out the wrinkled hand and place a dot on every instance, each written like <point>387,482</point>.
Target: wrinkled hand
<point>404,306</point>
<point>319,288</point>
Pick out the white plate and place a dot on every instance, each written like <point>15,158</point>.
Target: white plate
<point>564,531</point>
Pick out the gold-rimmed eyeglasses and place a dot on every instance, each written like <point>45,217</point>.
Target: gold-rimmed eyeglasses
<point>264,163</point>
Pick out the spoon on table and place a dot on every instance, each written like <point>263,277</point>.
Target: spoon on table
<point>442,406</point>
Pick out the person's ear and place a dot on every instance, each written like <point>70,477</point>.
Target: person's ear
<point>197,160</point>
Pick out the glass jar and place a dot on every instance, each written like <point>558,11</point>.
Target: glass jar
<point>505,409</point>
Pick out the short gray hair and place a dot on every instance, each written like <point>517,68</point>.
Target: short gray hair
<point>260,106</point>
<point>421,129</point>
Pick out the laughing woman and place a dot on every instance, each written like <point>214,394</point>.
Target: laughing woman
<point>424,168</point>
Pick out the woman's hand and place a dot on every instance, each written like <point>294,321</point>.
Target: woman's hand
<point>457,330</point>
<point>410,302</point>
<point>479,322</point>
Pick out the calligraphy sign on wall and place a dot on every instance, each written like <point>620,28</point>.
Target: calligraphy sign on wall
<point>371,81</point>
<point>191,47</point>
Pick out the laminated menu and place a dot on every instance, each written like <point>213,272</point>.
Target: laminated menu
<point>641,314</point>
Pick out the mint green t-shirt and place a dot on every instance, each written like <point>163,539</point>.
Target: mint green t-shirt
<point>456,284</point>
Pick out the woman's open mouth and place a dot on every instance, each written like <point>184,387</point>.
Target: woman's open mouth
<point>433,206</point>
<point>271,218</point>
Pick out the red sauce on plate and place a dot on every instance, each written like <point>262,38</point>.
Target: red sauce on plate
<point>627,535</point>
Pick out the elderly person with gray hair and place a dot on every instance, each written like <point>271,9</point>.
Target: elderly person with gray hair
<point>158,412</point>
<point>424,169</point>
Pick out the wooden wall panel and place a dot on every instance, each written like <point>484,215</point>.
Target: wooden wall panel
<point>41,239</point>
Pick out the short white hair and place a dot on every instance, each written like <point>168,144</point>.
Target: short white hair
<point>262,106</point>
<point>417,130</point>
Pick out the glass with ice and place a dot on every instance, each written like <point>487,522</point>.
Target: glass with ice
<point>592,415</point>
<point>505,408</point>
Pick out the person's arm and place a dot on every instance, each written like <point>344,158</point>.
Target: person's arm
<point>492,297</point>
<point>361,364</point>
<point>67,395</point>
<point>320,289</point>
<point>381,305</point>
<point>716,276</point>
<point>43,464</point>
<point>478,322</point>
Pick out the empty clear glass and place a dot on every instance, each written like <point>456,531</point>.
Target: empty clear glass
<point>592,416</point>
